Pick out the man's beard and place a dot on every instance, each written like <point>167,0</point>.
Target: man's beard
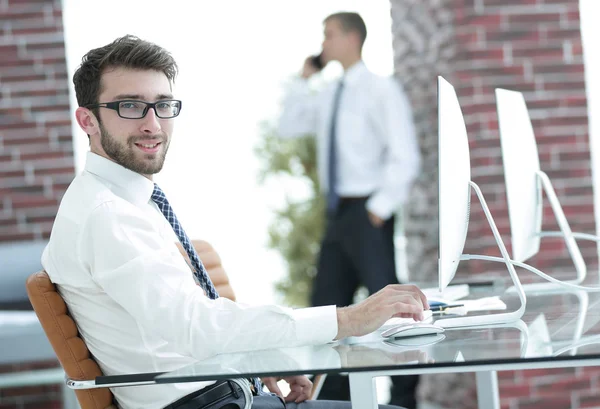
<point>125,153</point>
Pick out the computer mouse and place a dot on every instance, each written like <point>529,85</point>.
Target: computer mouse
<point>412,330</point>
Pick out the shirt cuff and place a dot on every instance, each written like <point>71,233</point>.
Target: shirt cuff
<point>379,206</point>
<point>316,325</point>
<point>299,86</point>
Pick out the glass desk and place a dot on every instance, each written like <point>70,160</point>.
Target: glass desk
<point>557,330</point>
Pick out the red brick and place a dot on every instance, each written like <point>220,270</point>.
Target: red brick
<point>563,34</point>
<point>45,155</point>
<point>68,170</point>
<point>515,390</point>
<point>47,403</point>
<point>486,20</point>
<point>12,173</point>
<point>526,34</point>
<point>558,69</point>
<point>24,201</point>
<point>493,54</point>
<point>547,53</point>
<point>573,15</point>
<point>589,399</point>
<point>561,385</point>
<point>43,140</point>
<point>30,391</point>
<point>503,3</point>
<point>36,30</point>
<point>554,402</point>
<point>533,18</point>
<point>13,235</point>
<point>567,86</point>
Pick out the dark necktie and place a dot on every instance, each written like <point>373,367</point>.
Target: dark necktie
<point>158,196</point>
<point>200,274</point>
<point>333,198</point>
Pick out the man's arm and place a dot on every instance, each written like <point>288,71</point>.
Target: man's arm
<point>299,116</point>
<point>394,119</point>
<point>149,279</point>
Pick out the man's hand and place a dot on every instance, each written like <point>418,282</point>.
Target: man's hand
<point>375,220</point>
<point>300,387</point>
<point>395,300</point>
<point>308,70</point>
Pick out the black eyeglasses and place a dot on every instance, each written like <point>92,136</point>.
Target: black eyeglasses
<point>132,109</point>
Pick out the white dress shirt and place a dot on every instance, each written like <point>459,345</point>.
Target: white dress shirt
<point>377,151</point>
<point>113,256</point>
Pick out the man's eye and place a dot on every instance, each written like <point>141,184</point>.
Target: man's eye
<point>129,105</point>
<point>163,105</point>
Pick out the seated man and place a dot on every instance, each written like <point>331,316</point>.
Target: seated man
<point>113,256</point>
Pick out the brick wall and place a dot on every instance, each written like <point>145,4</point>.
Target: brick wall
<point>423,41</point>
<point>533,46</point>
<point>31,397</point>
<point>36,150</point>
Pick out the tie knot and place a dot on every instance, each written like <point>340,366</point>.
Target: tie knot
<point>157,194</point>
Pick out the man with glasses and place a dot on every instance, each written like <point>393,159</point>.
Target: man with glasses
<point>113,257</point>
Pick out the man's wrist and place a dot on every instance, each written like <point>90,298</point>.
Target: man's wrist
<point>343,323</point>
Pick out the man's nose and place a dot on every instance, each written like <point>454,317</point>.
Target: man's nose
<point>150,122</point>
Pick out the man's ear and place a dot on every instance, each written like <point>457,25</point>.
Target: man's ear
<point>87,121</point>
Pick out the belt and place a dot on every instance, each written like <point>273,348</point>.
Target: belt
<point>351,199</point>
<point>213,394</point>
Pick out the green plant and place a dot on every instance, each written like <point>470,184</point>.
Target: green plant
<point>297,228</point>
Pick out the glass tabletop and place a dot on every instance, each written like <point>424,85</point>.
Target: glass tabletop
<point>555,326</point>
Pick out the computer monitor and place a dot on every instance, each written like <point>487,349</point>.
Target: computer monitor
<point>455,185</point>
<point>524,183</point>
<point>454,165</point>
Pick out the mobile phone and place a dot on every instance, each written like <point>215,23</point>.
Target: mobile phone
<point>317,61</point>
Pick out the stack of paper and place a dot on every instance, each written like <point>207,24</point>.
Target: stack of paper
<point>451,293</point>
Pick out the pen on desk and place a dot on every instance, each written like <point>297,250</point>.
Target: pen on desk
<point>439,308</point>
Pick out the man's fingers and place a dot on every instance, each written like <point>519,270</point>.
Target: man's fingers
<point>271,384</point>
<point>414,291</point>
<point>408,308</point>
<point>300,387</point>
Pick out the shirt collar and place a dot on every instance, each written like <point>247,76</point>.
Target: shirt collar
<point>126,183</point>
<point>353,74</point>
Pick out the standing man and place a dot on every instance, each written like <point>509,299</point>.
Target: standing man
<point>368,158</point>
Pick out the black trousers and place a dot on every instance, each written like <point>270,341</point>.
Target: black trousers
<point>353,253</point>
<point>272,402</point>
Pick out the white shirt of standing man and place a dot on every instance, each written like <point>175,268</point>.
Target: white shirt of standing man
<point>377,149</point>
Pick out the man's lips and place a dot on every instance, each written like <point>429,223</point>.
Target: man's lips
<point>148,146</point>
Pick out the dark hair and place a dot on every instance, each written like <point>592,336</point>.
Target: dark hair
<point>350,22</point>
<point>129,52</point>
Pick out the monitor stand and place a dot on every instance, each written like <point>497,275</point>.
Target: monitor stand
<point>569,237</point>
<point>488,319</point>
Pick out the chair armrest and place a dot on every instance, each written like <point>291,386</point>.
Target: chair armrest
<point>114,381</point>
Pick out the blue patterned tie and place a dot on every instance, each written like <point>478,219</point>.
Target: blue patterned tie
<point>200,274</point>
<point>333,199</point>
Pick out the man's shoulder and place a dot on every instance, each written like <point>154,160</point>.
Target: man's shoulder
<point>88,194</point>
<point>383,86</point>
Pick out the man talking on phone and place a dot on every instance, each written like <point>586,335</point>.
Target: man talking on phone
<point>368,158</point>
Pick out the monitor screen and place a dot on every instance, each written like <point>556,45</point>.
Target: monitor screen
<point>454,169</point>
<point>521,164</point>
